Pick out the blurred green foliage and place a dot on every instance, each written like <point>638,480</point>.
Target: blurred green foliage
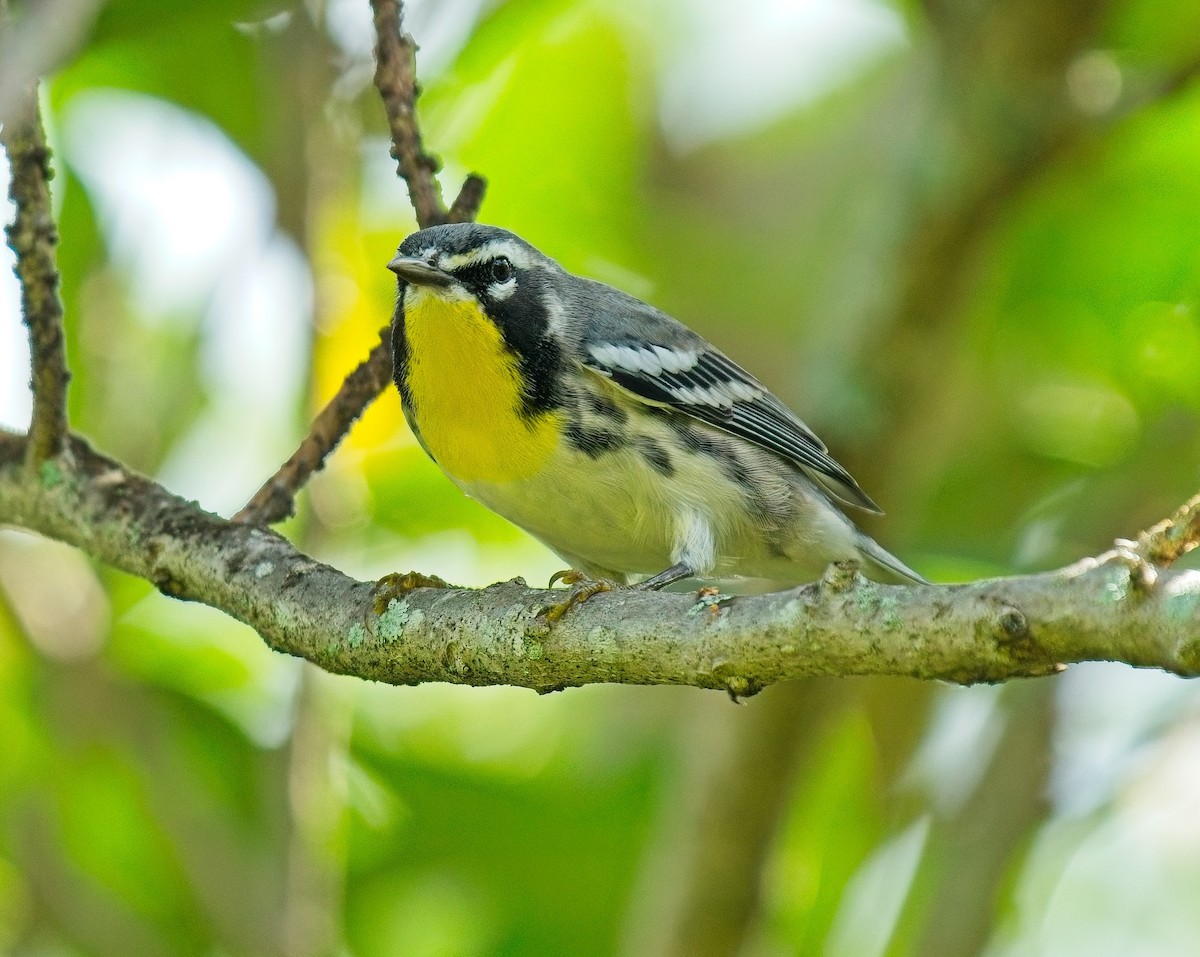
<point>970,264</point>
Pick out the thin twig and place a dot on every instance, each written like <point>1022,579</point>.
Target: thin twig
<point>466,205</point>
<point>1173,537</point>
<point>276,500</point>
<point>34,238</point>
<point>395,78</point>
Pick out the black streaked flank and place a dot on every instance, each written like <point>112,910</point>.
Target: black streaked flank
<point>603,405</point>
<point>724,451</point>
<point>593,442</point>
<point>657,456</point>
<point>693,440</point>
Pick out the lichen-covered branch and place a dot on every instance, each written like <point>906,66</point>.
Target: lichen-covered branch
<point>1173,537</point>
<point>33,236</point>
<point>982,631</point>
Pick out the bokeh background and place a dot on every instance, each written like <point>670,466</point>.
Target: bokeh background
<point>960,238</point>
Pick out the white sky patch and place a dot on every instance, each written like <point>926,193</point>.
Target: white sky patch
<point>179,203</point>
<point>440,27</point>
<point>254,359</point>
<point>189,221</point>
<point>740,64</point>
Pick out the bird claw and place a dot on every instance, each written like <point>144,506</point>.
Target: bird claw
<point>584,588</point>
<point>392,586</point>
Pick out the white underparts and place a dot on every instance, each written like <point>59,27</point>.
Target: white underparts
<point>695,541</point>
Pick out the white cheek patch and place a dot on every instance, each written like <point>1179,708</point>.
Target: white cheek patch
<point>556,316</point>
<point>502,290</point>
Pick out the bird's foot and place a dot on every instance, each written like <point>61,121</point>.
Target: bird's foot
<point>583,589</point>
<point>396,584</point>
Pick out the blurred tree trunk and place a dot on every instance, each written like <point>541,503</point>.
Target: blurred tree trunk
<point>971,853</point>
<point>699,892</point>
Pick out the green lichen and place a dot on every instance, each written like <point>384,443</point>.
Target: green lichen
<point>889,610</point>
<point>50,474</point>
<point>356,635</point>
<point>872,600</point>
<point>534,650</point>
<point>865,597</point>
<point>399,615</point>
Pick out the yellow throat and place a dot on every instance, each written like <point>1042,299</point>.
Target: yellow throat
<point>465,389</point>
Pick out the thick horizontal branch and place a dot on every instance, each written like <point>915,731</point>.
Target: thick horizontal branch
<point>984,631</point>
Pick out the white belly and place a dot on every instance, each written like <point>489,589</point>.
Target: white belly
<point>616,515</point>
<point>610,515</point>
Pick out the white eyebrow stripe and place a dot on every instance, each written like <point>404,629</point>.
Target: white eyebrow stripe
<point>516,254</point>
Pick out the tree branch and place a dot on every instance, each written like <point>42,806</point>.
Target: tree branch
<point>276,499</point>
<point>33,237</point>
<point>466,204</point>
<point>395,78</point>
<point>1097,609</point>
<point>1173,537</point>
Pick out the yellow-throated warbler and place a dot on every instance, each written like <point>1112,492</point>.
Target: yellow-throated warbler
<point>608,430</point>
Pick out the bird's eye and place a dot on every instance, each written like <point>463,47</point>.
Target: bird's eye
<point>502,269</point>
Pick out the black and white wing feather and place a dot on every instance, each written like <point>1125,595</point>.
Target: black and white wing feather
<point>662,362</point>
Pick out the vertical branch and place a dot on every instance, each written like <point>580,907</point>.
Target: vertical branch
<point>34,238</point>
<point>701,887</point>
<point>395,78</point>
<point>973,852</point>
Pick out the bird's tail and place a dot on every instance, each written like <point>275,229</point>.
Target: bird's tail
<point>880,559</point>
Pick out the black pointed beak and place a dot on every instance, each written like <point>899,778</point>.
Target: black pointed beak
<point>420,272</point>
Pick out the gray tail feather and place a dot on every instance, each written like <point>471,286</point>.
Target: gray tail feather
<point>882,560</point>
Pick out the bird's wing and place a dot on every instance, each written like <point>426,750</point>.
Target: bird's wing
<point>661,362</point>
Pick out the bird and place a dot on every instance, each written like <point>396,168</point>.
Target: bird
<point>625,442</point>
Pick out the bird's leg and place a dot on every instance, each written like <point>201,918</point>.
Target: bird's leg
<point>586,586</point>
<point>676,573</point>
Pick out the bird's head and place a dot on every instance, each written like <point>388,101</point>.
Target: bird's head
<point>508,278</point>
